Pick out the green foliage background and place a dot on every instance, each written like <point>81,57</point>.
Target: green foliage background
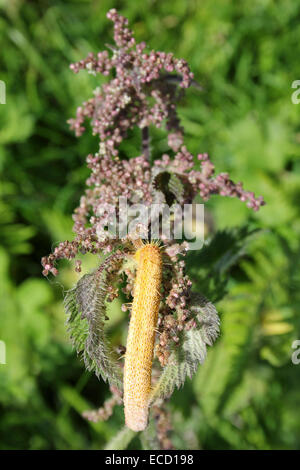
<point>246,56</point>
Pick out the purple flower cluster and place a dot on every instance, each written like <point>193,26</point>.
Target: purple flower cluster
<point>204,182</point>
<point>140,95</point>
<point>143,92</point>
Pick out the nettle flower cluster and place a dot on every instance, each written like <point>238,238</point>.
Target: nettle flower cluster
<point>144,91</point>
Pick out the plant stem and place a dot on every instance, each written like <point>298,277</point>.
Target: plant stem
<point>146,143</point>
<point>121,440</point>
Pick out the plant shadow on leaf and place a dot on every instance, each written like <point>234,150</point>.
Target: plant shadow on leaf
<point>209,266</point>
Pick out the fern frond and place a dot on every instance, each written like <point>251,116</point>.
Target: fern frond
<point>86,311</point>
<point>191,351</point>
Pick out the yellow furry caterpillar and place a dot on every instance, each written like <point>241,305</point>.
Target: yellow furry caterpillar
<point>141,336</point>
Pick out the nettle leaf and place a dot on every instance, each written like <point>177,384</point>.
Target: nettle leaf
<point>168,187</point>
<point>176,187</point>
<point>86,310</point>
<point>209,267</point>
<point>191,351</point>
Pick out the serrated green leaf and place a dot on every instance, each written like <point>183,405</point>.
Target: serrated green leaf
<point>86,310</point>
<point>191,351</point>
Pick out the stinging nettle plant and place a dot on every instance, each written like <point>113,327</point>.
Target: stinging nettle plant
<point>170,326</point>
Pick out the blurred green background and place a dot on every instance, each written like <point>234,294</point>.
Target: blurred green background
<point>246,56</point>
